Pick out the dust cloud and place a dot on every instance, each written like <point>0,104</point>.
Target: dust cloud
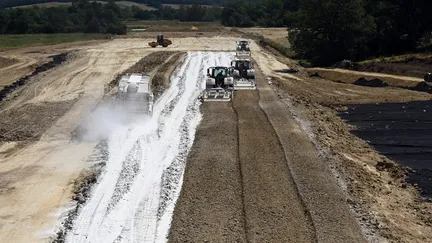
<point>107,118</point>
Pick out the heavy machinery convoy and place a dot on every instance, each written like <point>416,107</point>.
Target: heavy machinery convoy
<point>221,82</point>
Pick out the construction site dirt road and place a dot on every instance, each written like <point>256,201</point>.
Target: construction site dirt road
<point>244,171</point>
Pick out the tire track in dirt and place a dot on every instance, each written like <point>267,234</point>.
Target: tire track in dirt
<point>241,171</point>
<point>274,210</point>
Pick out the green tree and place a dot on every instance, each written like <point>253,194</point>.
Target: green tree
<point>331,30</point>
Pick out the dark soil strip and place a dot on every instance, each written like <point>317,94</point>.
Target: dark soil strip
<point>161,79</point>
<point>6,62</point>
<point>145,65</point>
<point>274,211</point>
<point>400,131</point>
<point>210,208</point>
<point>321,195</point>
<point>57,60</point>
<point>359,79</point>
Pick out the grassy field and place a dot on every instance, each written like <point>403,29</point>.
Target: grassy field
<point>173,26</point>
<point>15,41</point>
<point>177,6</point>
<point>120,3</point>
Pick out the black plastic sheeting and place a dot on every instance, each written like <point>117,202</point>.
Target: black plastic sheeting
<point>400,131</point>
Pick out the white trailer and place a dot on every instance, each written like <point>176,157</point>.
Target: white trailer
<point>135,94</point>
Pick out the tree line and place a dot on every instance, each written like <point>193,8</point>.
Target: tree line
<point>81,16</point>
<point>153,3</point>
<point>193,12</point>
<point>94,17</point>
<point>264,13</point>
<point>327,31</point>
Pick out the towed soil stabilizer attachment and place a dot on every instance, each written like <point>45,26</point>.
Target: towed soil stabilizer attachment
<point>135,95</point>
<point>219,84</point>
<point>244,74</point>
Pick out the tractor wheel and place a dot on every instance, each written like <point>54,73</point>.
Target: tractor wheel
<point>164,44</point>
<point>153,44</point>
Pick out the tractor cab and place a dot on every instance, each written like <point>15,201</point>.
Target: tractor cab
<point>242,66</point>
<point>221,72</point>
<point>220,75</point>
<point>160,38</point>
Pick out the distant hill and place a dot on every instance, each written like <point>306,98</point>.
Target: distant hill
<point>140,3</point>
<point>57,3</point>
<point>177,6</point>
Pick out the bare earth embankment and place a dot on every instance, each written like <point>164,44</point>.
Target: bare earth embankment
<point>375,185</point>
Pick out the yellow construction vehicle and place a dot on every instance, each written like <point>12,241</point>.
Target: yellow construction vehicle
<point>160,41</point>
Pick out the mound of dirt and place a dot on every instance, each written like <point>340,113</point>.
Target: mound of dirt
<point>145,65</point>
<point>411,66</point>
<point>5,62</point>
<point>347,64</point>
<point>424,87</point>
<point>57,60</point>
<point>314,75</point>
<point>29,121</point>
<point>370,83</point>
<point>288,70</point>
<point>160,80</point>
